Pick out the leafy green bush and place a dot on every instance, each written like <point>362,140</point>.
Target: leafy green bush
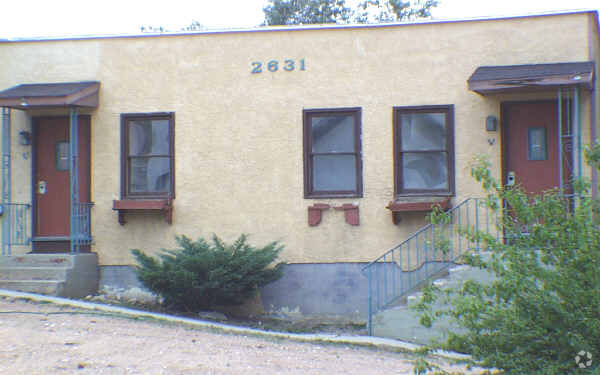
<point>543,308</point>
<point>201,275</point>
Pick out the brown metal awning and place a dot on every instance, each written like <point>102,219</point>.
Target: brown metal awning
<point>495,79</point>
<point>68,94</point>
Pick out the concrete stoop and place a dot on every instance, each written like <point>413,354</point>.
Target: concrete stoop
<point>401,322</point>
<point>62,275</point>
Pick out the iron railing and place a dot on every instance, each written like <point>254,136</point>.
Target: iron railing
<point>426,253</point>
<point>16,225</point>
<point>81,226</point>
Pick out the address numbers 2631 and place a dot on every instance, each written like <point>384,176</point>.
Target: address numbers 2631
<point>273,66</point>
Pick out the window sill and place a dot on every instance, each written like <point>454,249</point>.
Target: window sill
<point>163,206</point>
<point>409,205</point>
<point>332,196</point>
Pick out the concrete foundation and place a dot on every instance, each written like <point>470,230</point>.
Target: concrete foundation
<point>306,289</point>
<point>319,289</point>
<point>118,277</point>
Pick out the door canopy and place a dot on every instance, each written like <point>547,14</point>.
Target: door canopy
<point>535,77</point>
<point>44,95</point>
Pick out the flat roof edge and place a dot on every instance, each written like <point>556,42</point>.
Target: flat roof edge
<point>300,27</point>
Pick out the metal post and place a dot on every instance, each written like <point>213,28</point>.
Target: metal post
<point>377,286</point>
<point>459,237</point>
<point>467,219</point>
<point>406,285</point>
<point>370,310</point>
<point>577,134</point>
<point>476,230</point>
<point>385,280</point>
<point>6,181</point>
<point>560,141</point>
<point>394,265</point>
<point>74,175</point>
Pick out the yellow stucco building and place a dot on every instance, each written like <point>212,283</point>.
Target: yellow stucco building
<point>335,140</point>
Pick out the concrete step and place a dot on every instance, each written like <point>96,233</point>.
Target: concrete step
<point>402,321</point>
<point>64,275</point>
<point>37,260</point>
<point>48,287</point>
<point>33,273</point>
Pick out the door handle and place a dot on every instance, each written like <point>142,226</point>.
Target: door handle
<point>42,188</point>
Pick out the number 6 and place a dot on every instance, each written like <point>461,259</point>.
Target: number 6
<point>273,66</point>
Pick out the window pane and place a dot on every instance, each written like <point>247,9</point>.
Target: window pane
<point>149,137</point>
<point>332,133</point>
<point>151,174</point>
<point>62,156</point>
<point>423,131</point>
<point>537,144</point>
<point>425,171</point>
<point>334,172</point>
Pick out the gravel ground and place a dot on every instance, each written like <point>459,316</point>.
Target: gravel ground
<point>38,338</point>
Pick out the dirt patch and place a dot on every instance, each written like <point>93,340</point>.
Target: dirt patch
<point>291,322</point>
<point>47,339</point>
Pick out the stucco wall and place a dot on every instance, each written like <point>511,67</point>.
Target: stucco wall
<point>238,135</point>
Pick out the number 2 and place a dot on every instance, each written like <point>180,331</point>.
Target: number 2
<point>256,67</point>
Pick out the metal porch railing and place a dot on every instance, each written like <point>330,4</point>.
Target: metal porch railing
<point>81,226</point>
<point>16,225</point>
<point>426,253</point>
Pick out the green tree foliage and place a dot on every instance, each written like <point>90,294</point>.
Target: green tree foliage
<point>543,306</point>
<point>201,275</point>
<point>194,26</point>
<point>299,12</point>
<point>378,11</point>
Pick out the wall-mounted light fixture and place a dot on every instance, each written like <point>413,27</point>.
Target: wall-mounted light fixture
<point>24,138</point>
<point>491,123</point>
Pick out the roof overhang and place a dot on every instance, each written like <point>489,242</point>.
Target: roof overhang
<point>534,77</point>
<point>51,95</point>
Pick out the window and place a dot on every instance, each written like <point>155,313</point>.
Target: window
<point>424,150</point>
<point>537,143</point>
<point>147,155</point>
<point>62,155</point>
<point>332,155</point>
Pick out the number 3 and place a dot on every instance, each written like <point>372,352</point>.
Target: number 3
<point>289,65</point>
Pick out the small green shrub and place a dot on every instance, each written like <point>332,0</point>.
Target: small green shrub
<point>201,275</point>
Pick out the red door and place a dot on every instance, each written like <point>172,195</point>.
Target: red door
<point>530,137</point>
<point>51,179</point>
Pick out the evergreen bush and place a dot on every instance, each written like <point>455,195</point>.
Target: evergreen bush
<point>201,275</point>
<point>542,311</point>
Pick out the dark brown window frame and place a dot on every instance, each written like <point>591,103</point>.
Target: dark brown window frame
<point>309,192</point>
<point>125,119</point>
<point>448,110</point>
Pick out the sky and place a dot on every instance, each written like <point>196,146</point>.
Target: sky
<point>52,18</point>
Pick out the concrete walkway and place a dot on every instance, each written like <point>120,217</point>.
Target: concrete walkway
<point>368,341</point>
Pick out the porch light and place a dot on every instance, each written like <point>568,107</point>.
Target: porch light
<point>24,138</point>
<point>491,123</point>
